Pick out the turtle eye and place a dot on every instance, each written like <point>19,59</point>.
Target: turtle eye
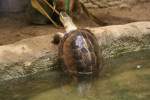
<point>63,14</point>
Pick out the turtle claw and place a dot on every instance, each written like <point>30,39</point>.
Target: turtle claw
<point>57,37</point>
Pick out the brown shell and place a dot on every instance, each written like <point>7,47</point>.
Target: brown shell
<point>80,61</point>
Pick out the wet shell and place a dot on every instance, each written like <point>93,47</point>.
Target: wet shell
<point>80,53</point>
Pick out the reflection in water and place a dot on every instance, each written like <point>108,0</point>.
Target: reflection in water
<point>126,77</point>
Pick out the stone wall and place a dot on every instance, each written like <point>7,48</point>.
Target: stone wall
<point>110,3</point>
<point>119,11</point>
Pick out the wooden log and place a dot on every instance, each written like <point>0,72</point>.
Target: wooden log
<point>33,55</point>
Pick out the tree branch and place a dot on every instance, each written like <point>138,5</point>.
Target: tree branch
<point>37,54</point>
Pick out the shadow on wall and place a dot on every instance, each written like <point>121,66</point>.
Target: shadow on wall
<point>7,6</point>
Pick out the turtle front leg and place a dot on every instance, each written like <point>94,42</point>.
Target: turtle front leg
<point>57,37</point>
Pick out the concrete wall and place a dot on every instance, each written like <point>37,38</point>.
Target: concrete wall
<point>13,5</point>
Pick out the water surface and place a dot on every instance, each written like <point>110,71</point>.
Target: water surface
<point>126,77</point>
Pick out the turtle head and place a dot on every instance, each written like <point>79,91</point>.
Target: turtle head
<point>67,22</point>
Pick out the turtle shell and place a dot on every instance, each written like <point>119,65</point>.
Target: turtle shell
<point>80,53</point>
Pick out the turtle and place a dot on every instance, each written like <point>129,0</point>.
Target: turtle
<point>78,50</point>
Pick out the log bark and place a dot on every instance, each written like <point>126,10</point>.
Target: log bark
<point>33,55</point>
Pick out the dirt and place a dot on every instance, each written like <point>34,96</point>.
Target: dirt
<point>13,28</point>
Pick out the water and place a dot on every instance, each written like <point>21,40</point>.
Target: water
<point>126,77</point>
